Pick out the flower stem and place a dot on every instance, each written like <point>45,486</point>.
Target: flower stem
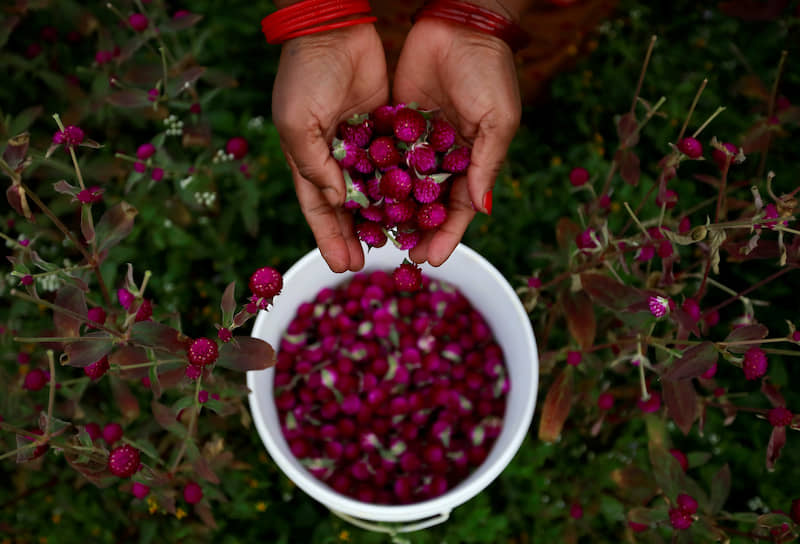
<point>52,393</point>
<point>192,423</point>
<point>770,112</point>
<point>48,304</point>
<point>691,108</point>
<point>707,121</point>
<point>643,72</point>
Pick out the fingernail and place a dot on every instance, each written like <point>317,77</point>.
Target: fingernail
<point>487,202</point>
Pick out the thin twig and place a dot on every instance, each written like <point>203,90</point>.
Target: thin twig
<point>643,72</point>
<point>691,108</point>
<point>52,394</point>
<point>770,112</point>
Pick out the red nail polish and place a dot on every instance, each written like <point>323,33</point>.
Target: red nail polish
<point>487,202</point>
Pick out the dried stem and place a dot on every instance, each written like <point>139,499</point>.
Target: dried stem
<point>52,394</point>
<point>711,117</point>
<point>65,311</point>
<point>691,108</point>
<point>643,72</point>
<point>753,287</point>
<point>66,232</point>
<point>770,112</point>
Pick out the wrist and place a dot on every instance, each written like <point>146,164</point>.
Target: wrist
<point>300,18</point>
<point>481,16</point>
<point>507,8</point>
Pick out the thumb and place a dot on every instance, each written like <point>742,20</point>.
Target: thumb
<point>311,158</point>
<point>486,160</point>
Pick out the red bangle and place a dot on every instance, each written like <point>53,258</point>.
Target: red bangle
<point>312,16</point>
<point>478,18</point>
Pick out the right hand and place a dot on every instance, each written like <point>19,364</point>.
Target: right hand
<point>324,79</point>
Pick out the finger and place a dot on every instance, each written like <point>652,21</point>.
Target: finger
<point>308,153</point>
<point>495,132</point>
<point>449,234</point>
<point>419,253</point>
<point>355,251</point>
<point>324,223</point>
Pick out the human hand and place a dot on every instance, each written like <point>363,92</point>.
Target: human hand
<point>323,79</point>
<point>471,77</point>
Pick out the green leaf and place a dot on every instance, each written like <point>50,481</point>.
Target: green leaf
<point>145,447</point>
<point>666,470</point>
<point>743,517</point>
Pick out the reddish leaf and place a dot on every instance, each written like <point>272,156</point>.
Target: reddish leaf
<point>115,225</point>
<point>127,356</point>
<point>159,336</point>
<point>70,298</point>
<point>720,489</point>
<point>16,151</point>
<point>204,513</point>
<point>181,23</point>
<point>556,406</point>
<point>772,393</point>
<point>580,318</point>
<point>65,188</point>
<point>185,80</point>
<point>635,484</point>
<point>629,169</point>
<point>566,230</point>
<point>647,516</point>
<point>693,363</point>
<point>129,99</point>
<point>19,201</point>
<point>754,10</point>
<point>246,353</point>
<point>163,415</point>
<point>756,139</point>
<point>776,442</point>
<point>87,224</point>
<point>612,294</point>
<point>686,322</point>
<point>203,469</point>
<point>124,400</point>
<point>228,303</point>
<point>93,469</point>
<point>627,130</point>
<point>171,378</point>
<point>747,333</point>
<point>681,400</point>
<point>85,352</point>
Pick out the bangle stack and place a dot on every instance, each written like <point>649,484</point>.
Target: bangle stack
<point>313,16</point>
<point>478,18</point>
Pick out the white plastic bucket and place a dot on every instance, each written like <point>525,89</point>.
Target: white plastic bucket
<point>491,294</point>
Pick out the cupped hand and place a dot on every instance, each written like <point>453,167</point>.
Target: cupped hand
<point>471,77</point>
<point>323,79</point>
